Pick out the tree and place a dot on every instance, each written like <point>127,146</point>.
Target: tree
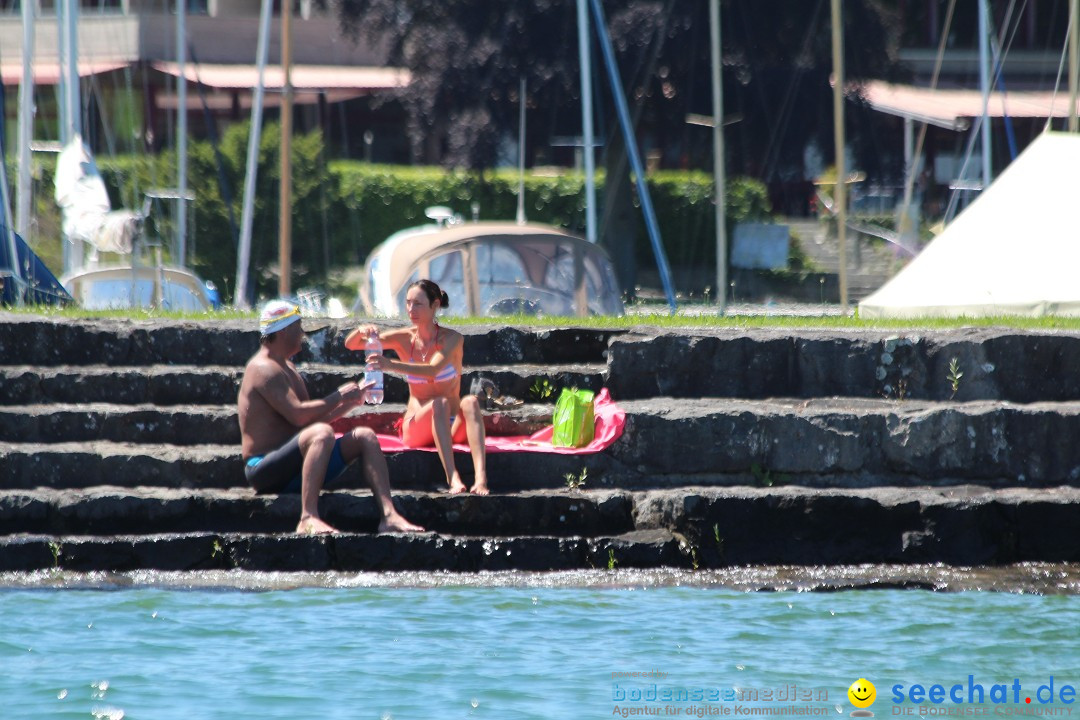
<point>466,59</point>
<point>468,56</point>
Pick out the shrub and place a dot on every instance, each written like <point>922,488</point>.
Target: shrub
<point>343,209</point>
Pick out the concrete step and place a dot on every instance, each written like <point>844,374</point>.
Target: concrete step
<point>90,464</point>
<point>47,342</point>
<point>853,441</point>
<point>219,384</point>
<point>692,527</point>
<point>204,424</point>
<point>864,256</point>
<point>136,424</point>
<point>132,385</point>
<point>667,442</point>
<point>85,464</point>
<point>996,364</point>
<point>146,510</point>
<point>960,525</point>
<point>344,552</point>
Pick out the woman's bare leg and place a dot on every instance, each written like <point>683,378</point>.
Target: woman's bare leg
<point>472,419</point>
<point>431,425</point>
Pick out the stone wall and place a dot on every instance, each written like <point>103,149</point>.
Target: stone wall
<point>119,449</point>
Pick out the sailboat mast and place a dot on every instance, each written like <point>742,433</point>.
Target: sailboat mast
<point>838,134</point>
<point>984,86</point>
<point>1074,61</point>
<point>71,121</point>
<point>26,122</point>
<point>719,179</point>
<point>285,225</point>
<point>181,132</point>
<point>589,156</point>
<point>243,260</point>
<point>521,153</point>
<point>623,112</point>
<point>67,17</point>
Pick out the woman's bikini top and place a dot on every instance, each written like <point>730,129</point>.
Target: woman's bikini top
<point>447,373</point>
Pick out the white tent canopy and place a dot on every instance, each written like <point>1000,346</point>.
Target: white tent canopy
<point>1014,251</point>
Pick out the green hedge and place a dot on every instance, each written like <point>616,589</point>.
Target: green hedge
<point>342,209</point>
<point>383,199</point>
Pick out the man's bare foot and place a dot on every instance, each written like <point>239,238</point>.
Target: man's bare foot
<point>456,486</point>
<point>396,523</point>
<point>480,486</point>
<point>314,526</point>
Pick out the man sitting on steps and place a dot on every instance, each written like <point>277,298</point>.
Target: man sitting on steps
<point>287,442</point>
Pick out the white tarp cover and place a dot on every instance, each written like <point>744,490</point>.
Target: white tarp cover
<point>87,215</point>
<point>1014,251</point>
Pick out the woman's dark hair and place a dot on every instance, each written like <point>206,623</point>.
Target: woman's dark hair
<point>433,292</point>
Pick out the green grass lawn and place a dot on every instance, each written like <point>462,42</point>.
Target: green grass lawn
<point>658,320</point>
<point>77,313</point>
<point>777,321</point>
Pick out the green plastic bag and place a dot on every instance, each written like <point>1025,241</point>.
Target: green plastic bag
<point>574,421</point>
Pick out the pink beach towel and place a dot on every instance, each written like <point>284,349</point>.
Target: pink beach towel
<point>610,420</point>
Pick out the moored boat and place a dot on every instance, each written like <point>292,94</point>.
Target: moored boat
<point>492,268</point>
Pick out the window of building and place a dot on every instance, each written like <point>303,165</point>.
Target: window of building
<point>85,6</point>
<point>101,6</point>
<point>300,8</point>
<point>194,7</point>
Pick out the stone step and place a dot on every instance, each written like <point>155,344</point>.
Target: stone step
<point>693,527</point>
<point>135,424</point>
<point>219,384</point>
<point>854,441</point>
<point>864,256</point>
<point>47,342</point>
<point>104,462</point>
<point>996,364</point>
<point>667,442</point>
<point>960,525</point>
<point>204,424</point>
<point>146,510</point>
<point>344,552</point>
<point>90,464</point>
<point>157,384</point>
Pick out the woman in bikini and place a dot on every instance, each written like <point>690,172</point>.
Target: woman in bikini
<point>430,359</point>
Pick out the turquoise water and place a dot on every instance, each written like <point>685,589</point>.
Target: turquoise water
<point>512,651</point>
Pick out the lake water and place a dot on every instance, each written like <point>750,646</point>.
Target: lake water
<point>157,646</point>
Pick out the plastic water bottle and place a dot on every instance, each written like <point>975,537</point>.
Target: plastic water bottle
<point>371,374</point>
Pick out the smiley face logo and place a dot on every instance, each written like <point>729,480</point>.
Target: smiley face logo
<point>862,694</point>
